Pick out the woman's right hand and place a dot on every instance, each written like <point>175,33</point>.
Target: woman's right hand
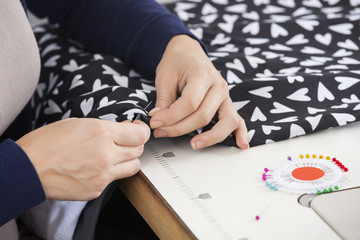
<point>77,158</point>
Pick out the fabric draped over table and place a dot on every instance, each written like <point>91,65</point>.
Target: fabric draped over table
<point>292,67</point>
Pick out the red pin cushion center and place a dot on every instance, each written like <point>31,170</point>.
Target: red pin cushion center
<point>307,173</point>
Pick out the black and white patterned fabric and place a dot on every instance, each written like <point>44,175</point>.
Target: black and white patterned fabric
<point>293,67</point>
<point>76,83</point>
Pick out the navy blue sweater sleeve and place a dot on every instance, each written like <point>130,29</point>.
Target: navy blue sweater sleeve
<point>20,186</point>
<point>136,31</point>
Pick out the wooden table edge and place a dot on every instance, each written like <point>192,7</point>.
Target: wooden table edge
<point>153,208</point>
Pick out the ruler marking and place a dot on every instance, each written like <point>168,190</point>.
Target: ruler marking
<point>188,192</point>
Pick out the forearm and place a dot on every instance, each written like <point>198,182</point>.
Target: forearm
<point>19,61</point>
<point>136,31</point>
<point>20,186</point>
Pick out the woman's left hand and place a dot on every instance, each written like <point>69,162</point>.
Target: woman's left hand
<point>190,92</point>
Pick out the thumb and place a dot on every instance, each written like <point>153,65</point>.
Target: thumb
<point>166,93</point>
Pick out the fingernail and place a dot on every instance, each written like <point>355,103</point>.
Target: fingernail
<point>197,145</point>
<point>244,146</point>
<point>154,110</point>
<point>156,124</point>
<point>160,133</point>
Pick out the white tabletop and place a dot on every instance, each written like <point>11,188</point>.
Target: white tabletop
<point>218,191</point>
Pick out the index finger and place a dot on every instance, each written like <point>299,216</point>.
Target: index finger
<point>129,133</point>
<point>189,101</point>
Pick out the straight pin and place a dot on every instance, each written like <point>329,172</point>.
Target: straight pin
<point>138,115</point>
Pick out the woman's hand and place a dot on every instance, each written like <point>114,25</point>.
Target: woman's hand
<point>190,92</point>
<point>77,158</point>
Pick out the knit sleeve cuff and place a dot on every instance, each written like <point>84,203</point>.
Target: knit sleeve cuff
<point>20,186</point>
<point>146,51</point>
